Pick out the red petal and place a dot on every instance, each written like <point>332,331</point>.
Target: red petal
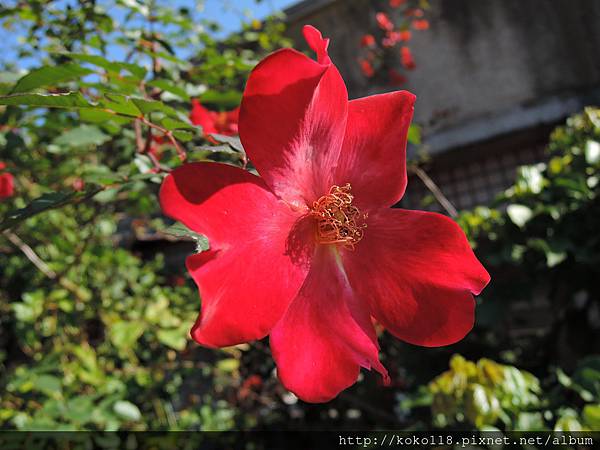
<point>6,185</point>
<point>292,122</point>
<point>325,336</point>
<point>203,117</point>
<point>373,158</point>
<point>317,43</point>
<point>258,258</point>
<point>418,274</point>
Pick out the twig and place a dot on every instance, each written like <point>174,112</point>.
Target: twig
<point>30,254</point>
<point>43,267</point>
<point>168,134</point>
<point>435,190</point>
<point>139,140</point>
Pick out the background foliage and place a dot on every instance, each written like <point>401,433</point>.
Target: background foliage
<point>95,306</point>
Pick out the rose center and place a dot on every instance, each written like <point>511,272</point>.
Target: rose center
<point>338,220</point>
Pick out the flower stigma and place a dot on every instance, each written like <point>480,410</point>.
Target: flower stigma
<point>338,220</point>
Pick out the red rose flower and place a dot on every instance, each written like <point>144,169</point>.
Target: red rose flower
<point>421,24</point>
<point>393,37</point>
<point>7,187</point>
<point>405,35</point>
<point>384,21</point>
<point>310,251</point>
<point>225,122</point>
<point>367,68</point>
<point>406,58</point>
<point>396,3</point>
<point>367,40</point>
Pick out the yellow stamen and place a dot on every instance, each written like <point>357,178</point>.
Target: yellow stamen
<point>338,220</point>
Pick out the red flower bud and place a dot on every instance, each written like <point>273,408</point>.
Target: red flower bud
<point>384,21</point>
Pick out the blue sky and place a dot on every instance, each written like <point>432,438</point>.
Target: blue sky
<point>229,13</point>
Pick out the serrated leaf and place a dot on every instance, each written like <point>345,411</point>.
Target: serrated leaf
<point>120,104</point>
<point>50,76</point>
<point>68,100</point>
<point>180,230</point>
<point>217,149</point>
<point>151,106</point>
<point>233,141</point>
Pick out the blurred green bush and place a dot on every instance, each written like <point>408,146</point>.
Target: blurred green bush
<point>95,307</point>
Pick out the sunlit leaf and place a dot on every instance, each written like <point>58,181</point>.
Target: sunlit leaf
<point>127,410</point>
<point>169,87</point>
<point>50,76</point>
<point>113,66</point>
<point>519,214</point>
<point>68,100</point>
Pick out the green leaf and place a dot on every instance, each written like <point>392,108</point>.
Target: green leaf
<point>591,416</point>
<point>83,135</point>
<point>519,214</point>
<point>80,409</point>
<point>111,66</point>
<point>68,100</point>
<point>102,117</point>
<point>152,106</point>
<point>414,134</point>
<point>169,87</point>
<point>127,410</point>
<point>48,384</point>
<point>233,141</point>
<point>172,124</point>
<point>175,338</point>
<point>227,99</point>
<point>592,152</point>
<point>50,76</point>
<point>228,365</point>
<point>120,104</point>
<point>50,200</point>
<point>184,136</point>
<point>125,334</point>
<point>180,230</point>
<point>217,149</point>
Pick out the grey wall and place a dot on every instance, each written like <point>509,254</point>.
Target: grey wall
<point>485,67</point>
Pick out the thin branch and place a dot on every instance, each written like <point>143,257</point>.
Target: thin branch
<point>168,134</point>
<point>42,266</point>
<point>435,190</point>
<point>30,254</point>
<point>139,140</point>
